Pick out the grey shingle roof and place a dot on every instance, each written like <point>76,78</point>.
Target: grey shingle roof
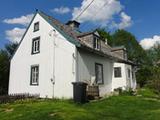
<point>75,35</point>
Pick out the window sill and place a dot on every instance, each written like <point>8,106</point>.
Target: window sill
<point>35,53</point>
<point>35,30</point>
<point>34,84</point>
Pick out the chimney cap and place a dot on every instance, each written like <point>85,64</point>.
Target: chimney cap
<point>72,21</point>
<point>73,24</point>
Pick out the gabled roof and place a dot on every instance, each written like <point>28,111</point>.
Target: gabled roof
<point>65,30</point>
<point>73,35</point>
<point>118,48</point>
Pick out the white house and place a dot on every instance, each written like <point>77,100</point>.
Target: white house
<point>52,55</point>
<point>124,74</point>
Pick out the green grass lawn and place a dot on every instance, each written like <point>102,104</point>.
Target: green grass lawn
<point>113,108</point>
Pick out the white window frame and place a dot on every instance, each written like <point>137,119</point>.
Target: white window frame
<point>36,45</point>
<point>96,43</point>
<point>98,74</point>
<point>129,73</point>
<point>34,75</point>
<point>119,74</point>
<point>36,26</point>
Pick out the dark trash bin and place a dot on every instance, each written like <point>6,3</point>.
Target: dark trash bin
<point>79,92</point>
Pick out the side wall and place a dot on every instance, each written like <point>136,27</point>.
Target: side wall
<point>86,69</point>
<point>131,81</point>
<point>119,81</point>
<point>61,61</point>
<point>124,81</point>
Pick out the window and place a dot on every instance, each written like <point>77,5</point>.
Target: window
<point>133,74</point>
<point>36,45</point>
<point>129,73</point>
<point>96,43</point>
<point>36,26</point>
<point>34,75</point>
<point>117,72</point>
<point>99,73</point>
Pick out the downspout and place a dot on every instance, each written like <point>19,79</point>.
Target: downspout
<point>54,44</point>
<point>77,66</point>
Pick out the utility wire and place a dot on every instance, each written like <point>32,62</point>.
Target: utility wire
<point>97,12</point>
<point>84,9</point>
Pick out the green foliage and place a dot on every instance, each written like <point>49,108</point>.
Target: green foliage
<point>154,54</point>
<point>128,92</point>
<point>149,93</point>
<point>144,75</point>
<point>4,71</point>
<point>112,108</point>
<point>154,83</point>
<point>5,56</point>
<point>124,38</point>
<point>105,35</point>
<point>134,50</point>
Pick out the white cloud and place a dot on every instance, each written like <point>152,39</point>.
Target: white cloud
<point>61,10</point>
<point>147,43</point>
<point>126,21</point>
<point>15,34</point>
<point>102,12</point>
<point>22,20</point>
<point>97,11</point>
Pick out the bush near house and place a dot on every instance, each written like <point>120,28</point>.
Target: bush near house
<point>154,82</point>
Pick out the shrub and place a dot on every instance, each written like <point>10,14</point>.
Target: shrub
<point>154,83</point>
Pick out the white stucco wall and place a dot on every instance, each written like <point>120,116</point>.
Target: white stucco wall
<point>86,69</point>
<point>20,68</point>
<point>119,81</point>
<point>131,81</point>
<point>124,81</point>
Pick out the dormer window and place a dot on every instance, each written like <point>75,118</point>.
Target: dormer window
<point>96,43</point>
<point>36,26</point>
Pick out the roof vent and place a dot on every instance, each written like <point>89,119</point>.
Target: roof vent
<point>74,24</point>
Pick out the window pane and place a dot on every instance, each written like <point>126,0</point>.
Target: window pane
<point>36,45</point>
<point>94,42</point>
<point>117,72</point>
<point>36,26</point>
<point>99,73</point>
<point>98,44</point>
<point>34,75</point>
<point>129,73</point>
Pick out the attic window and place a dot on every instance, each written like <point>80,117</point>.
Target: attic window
<point>36,26</point>
<point>96,43</point>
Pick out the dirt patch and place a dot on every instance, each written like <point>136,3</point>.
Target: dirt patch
<point>9,110</point>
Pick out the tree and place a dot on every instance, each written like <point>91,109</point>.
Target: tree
<point>105,35</point>
<point>5,56</point>
<point>135,52</point>
<point>154,53</point>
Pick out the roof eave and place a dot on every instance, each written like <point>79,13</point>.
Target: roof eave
<point>69,38</point>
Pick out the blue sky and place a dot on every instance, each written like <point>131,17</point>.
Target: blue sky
<point>140,17</point>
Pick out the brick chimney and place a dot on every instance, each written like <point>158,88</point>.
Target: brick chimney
<point>74,24</point>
